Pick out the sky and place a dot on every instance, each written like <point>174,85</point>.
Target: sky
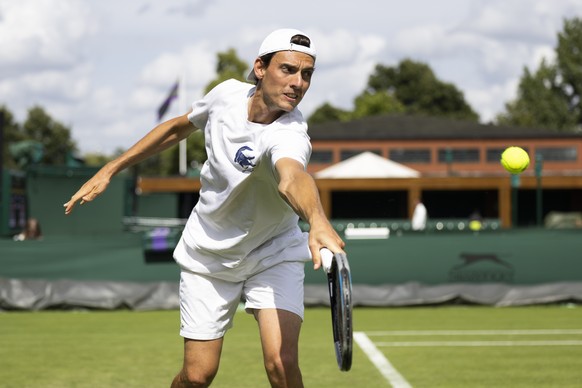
<point>104,67</point>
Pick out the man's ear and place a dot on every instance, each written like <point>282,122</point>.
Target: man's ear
<point>259,68</point>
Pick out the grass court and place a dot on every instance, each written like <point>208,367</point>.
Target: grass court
<point>447,346</point>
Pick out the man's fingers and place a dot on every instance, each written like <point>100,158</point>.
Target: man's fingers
<point>88,192</point>
<point>316,262</point>
<point>69,206</point>
<point>326,258</point>
<point>76,198</point>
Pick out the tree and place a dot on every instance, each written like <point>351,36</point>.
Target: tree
<point>328,112</point>
<point>540,102</point>
<point>53,135</point>
<point>569,57</point>
<point>229,66</point>
<point>551,96</point>
<point>417,88</point>
<point>376,103</point>
<point>12,134</point>
<point>411,87</point>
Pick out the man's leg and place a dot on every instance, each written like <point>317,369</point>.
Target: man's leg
<point>201,359</point>
<point>279,331</point>
<point>207,308</point>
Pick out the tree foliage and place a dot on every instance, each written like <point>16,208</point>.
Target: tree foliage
<point>550,97</point>
<point>53,135</point>
<point>11,135</point>
<point>540,102</point>
<point>410,87</point>
<point>328,112</point>
<point>40,139</point>
<point>569,55</point>
<point>417,88</point>
<point>229,66</point>
<point>376,103</point>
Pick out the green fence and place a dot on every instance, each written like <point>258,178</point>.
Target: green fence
<point>526,256</point>
<point>42,191</point>
<point>13,202</point>
<point>92,243</point>
<point>48,188</point>
<point>529,256</point>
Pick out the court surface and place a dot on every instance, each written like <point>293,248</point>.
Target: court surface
<point>377,344</point>
<point>446,346</point>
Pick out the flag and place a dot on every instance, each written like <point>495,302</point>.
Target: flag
<point>166,104</point>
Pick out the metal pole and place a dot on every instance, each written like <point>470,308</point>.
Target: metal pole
<point>182,151</point>
<point>515,182</point>
<point>3,196</point>
<point>1,146</point>
<point>539,192</point>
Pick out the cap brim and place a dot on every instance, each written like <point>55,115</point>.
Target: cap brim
<point>252,77</point>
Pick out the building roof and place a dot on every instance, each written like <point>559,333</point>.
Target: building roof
<point>367,165</point>
<point>404,127</point>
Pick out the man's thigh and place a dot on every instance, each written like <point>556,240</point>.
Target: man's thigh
<point>278,287</point>
<point>207,305</point>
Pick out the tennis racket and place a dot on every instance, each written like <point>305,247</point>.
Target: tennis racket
<point>339,280</point>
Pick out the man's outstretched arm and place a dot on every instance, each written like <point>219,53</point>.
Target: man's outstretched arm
<point>158,139</point>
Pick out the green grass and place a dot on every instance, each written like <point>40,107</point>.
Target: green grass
<point>137,349</point>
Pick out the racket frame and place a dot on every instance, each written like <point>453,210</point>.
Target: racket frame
<point>340,286</point>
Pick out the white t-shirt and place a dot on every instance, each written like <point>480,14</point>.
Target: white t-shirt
<point>240,207</point>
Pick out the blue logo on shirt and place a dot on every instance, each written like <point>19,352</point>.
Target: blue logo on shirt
<point>244,157</point>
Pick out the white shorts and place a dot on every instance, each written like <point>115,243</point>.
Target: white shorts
<point>208,302</point>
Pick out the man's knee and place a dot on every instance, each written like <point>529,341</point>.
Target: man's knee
<point>282,365</point>
<point>201,360</point>
<point>194,377</point>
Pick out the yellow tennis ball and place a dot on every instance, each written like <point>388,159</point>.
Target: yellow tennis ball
<point>475,225</point>
<point>514,159</point>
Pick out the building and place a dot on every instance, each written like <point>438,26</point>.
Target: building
<point>459,166</point>
<point>442,147</point>
<point>459,170</point>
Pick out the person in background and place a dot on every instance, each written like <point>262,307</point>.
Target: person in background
<point>31,231</point>
<point>419,216</point>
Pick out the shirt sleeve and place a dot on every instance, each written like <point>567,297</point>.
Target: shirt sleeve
<point>199,114</point>
<point>291,144</point>
<point>201,108</point>
<point>217,97</point>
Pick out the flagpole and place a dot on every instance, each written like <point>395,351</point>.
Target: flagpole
<point>182,102</point>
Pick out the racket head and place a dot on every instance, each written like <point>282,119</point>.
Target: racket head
<point>340,293</point>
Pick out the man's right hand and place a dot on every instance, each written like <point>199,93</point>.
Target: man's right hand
<point>89,191</point>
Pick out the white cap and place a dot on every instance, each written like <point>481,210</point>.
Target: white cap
<point>280,40</point>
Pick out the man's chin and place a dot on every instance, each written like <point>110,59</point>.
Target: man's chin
<point>288,107</point>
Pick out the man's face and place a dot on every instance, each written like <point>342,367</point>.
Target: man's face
<point>286,80</point>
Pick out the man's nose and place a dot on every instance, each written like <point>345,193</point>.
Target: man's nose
<point>297,80</point>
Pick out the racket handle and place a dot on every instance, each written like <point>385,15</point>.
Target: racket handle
<point>326,259</point>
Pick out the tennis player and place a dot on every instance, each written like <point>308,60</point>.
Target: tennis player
<point>242,238</point>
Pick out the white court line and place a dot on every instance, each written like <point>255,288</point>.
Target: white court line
<point>478,343</point>
<point>381,362</point>
<point>474,332</point>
